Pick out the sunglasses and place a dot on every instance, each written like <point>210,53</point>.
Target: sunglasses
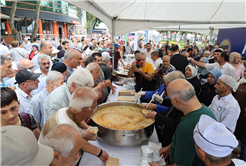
<point>45,63</point>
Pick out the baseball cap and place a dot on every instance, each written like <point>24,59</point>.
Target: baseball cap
<point>213,137</point>
<point>26,74</point>
<point>116,45</point>
<point>59,66</point>
<point>20,147</point>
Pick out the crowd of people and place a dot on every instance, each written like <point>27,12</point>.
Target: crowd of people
<point>49,91</point>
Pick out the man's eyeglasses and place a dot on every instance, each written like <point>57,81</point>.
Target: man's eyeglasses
<point>45,63</point>
<point>92,107</point>
<point>30,68</point>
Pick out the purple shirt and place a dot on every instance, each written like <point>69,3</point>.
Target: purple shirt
<point>53,43</point>
<point>116,58</point>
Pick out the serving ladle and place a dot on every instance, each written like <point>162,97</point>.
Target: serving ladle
<point>145,110</point>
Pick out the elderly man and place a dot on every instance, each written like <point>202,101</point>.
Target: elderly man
<point>140,47</point>
<point>94,68</point>
<point>143,72</point>
<point>71,60</point>
<point>156,59</point>
<point>53,80</point>
<point>65,46</point>
<point>148,51</point>
<point>178,61</point>
<point>82,64</point>
<point>105,65</point>
<point>21,143</point>
<point>164,68</point>
<point>44,63</point>
<point>27,82</point>
<point>167,123</point>
<point>21,64</point>
<point>45,48</point>
<point>222,65</point>
<point>63,154</point>
<point>224,106</point>
<point>217,151</point>
<point>182,149</point>
<point>27,45</point>
<point>76,112</point>
<point>59,98</point>
<point>6,69</point>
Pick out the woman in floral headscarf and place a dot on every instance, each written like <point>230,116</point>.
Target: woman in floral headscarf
<point>235,61</point>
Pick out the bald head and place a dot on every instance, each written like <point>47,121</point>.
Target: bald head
<point>181,89</point>
<point>46,48</point>
<point>165,61</point>
<point>70,53</point>
<point>25,64</point>
<point>72,58</point>
<point>92,67</point>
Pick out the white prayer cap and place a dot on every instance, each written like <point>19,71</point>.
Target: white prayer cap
<point>105,53</point>
<point>228,80</point>
<point>213,137</point>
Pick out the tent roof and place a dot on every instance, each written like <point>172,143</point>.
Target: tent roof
<point>188,15</point>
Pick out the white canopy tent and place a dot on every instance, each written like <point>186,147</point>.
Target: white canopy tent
<point>124,16</point>
<point>199,16</point>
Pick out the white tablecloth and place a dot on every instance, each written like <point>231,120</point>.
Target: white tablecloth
<point>128,156</point>
<point>114,97</point>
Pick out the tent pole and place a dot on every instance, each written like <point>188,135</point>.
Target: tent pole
<point>211,34</point>
<point>113,34</point>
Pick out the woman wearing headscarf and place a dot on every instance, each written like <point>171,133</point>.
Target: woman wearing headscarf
<point>235,61</point>
<point>206,54</point>
<point>207,92</point>
<point>202,72</point>
<point>240,96</point>
<point>191,76</point>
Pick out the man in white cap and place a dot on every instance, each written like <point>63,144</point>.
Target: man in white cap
<point>19,147</point>
<point>214,143</point>
<point>224,106</point>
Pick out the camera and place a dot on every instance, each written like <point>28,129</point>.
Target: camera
<point>161,70</point>
<point>138,63</point>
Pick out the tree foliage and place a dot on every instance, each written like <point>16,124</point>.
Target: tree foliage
<point>92,21</point>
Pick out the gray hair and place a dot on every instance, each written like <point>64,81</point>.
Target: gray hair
<point>53,76</point>
<point>88,96</point>
<point>141,53</point>
<point>92,66</point>
<point>184,52</point>
<point>105,58</point>
<point>70,53</point>
<point>173,76</point>
<point>42,57</point>
<point>81,77</point>
<point>61,139</point>
<point>183,95</point>
<point>4,58</point>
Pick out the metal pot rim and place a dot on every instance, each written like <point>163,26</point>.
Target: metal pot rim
<point>117,102</point>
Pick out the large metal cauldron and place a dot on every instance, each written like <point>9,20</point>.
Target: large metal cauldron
<point>123,137</point>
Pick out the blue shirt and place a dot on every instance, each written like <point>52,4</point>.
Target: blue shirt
<point>36,107</point>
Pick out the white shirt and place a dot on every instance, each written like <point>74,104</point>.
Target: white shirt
<point>157,62</point>
<point>42,81</point>
<point>141,49</point>
<point>227,69</point>
<point>28,46</point>
<point>3,49</point>
<point>35,62</point>
<point>17,53</point>
<point>226,110</point>
<point>24,101</point>
<point>149,60</point>
<point>11,82</point>
<point>148,53</point>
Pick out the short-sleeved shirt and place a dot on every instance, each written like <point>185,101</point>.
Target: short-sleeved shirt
<point>227,69</point>
<point>42,81</point>
<point>182,150</point>
<point>3,49</point>
<point>226,110</point>
<point>141,82</point>
<point>17,53</point>
<point>148,53</point>
<point>28,46</point>
<point>24,101</point>
<point>116,58</point>
<point>32,122</point>
<point>37,107</point>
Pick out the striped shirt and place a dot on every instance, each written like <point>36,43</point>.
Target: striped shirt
<point>36,107</point>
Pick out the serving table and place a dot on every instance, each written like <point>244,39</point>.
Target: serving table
<point>128,156</point>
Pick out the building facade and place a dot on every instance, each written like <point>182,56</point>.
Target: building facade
<point>56,19</point>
